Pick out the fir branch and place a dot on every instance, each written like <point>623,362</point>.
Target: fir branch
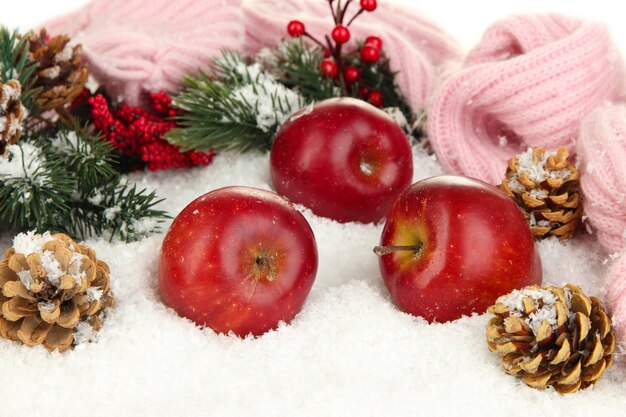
<point>239,107</point>
<point>299,66</point>
<point>14,64</point>
<point>380,77</point>
<point>91,159</point>
<point>116,210</point>
<point>67,183</point>
<point>102,203</point>
<point>33,188</point>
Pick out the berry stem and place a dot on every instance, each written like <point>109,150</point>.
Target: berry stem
<point>308,35</point>
<point>345,9</point>
<point>331,50</point>
<point>357,14</point>
<point>339,17</point>
<point>332,11</point>
<point>386,250</point>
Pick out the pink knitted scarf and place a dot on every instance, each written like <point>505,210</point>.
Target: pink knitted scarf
<point>139,46</point>
<point>146,45</point>
<point>602,155</point>
<point>616,297</point>
<point>529,82</point>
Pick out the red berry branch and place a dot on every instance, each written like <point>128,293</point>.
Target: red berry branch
<point>335,66</point>
<point>138,133</point>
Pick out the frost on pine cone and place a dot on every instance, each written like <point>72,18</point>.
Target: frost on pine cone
<point>552,336</point>
<point>12,114</point>
<point>546,187</point>
<point>62,73</point>
<point>54,291</point>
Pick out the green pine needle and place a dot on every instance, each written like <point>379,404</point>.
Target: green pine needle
<point>15,65</point>
<point>300,68</point>
<point>239,108</point>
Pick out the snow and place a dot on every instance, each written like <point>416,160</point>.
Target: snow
<point>65,54</point>
<point>270,100</point>
<point>544,301</point>
<point>31,242</point>
<point>9,94</point>
<point>68,142</point>
<point>84,333</point>
<point>534,171</point>
<point>21,161</point>
<point>350,352</point>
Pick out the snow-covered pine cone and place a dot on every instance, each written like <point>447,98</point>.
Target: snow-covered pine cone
<point>12,114</point>
<point>546,186</point>
<point>62,73</point>
<point>54,291</point>
<point>552,336</point>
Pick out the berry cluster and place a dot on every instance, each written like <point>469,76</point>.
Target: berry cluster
<point>136,132</point>
<point>345,69</point>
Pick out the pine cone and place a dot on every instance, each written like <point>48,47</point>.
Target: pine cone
<point>552,336</point>
<point>546,187</point>
<point>54,291</point>
<point>12,114</point>
<point>62,74</point>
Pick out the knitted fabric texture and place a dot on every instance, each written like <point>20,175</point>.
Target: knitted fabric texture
<point>415,46</point>
<point>528,83</point>
<point>616,297</point>
<point>137,46</point>
<point>602,158</point>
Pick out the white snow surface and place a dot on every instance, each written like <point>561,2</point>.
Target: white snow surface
<point>350,352</point>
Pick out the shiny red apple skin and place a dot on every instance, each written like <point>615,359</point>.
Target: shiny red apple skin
<point>210,272</point>
<point>476,242</point>
<point>344,159</point>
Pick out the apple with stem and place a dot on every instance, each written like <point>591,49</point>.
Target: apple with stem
<point>238,259</point>
<point>342,158</point>
<point>452,245</point>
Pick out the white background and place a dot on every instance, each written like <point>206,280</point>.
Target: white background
<point>463,19</point>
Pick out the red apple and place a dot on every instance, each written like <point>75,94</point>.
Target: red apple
<point>344,159</point>
<point>452,245</point>
<point>238,259</point>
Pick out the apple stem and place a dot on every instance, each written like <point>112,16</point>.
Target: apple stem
<point>386,250</point>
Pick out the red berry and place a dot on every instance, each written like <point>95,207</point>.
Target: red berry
<point>329,68</point>
<point>350,74</point>
<point>368,5</point>
<point>370,53</point>
<point>363,92</point>
<point>376,98</point>
<point>341,34</point>
<point>296,28</point>
<point>374,40</point>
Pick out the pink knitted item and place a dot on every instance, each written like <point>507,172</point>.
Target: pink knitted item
<point>134,46</point>
<point>138,46</point>
<point>616,297</point>
<point>529,82</point>
<point>602,154</point>
<point>415,45</point>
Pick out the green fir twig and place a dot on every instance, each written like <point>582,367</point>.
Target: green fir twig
<point>14,64</point>
<point>239,107</point>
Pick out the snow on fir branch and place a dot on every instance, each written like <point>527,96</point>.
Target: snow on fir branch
<point>239,107</point>
<point>242,102</point>
<point>67,183</point>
